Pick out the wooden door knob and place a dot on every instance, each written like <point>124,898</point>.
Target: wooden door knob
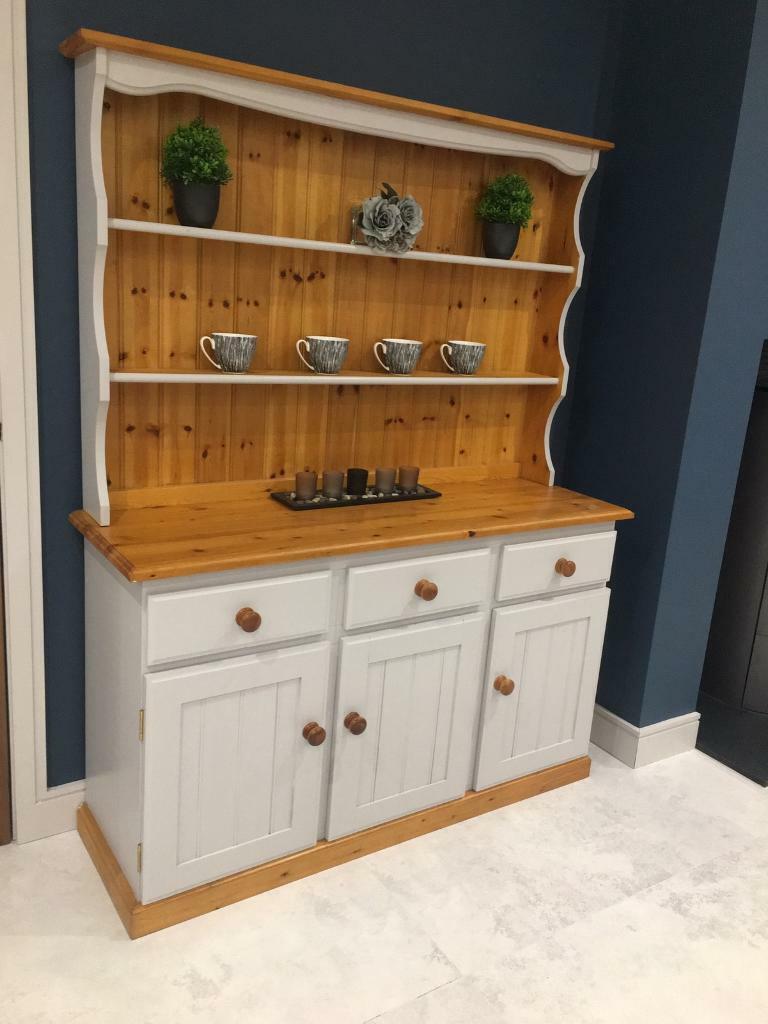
<point>426,590</point>
<point>565,567</point>
<point>355,723</point>
<point>248,620</point>
<point>314,734</point>
<point>503,685</point>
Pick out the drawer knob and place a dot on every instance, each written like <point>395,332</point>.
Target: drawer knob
<point>355,723</point>
<point>248,620</point>
<point>565,567</point>
<point>314,734</point>
<point>426,590</point>
<point>503,685</point>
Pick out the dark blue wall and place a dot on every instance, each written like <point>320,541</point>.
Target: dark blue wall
<point>734,328</point>
<point>666,367</point>
<point>541,63</point>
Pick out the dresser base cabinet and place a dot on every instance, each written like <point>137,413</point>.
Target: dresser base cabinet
<point>237,768</point>
<point>142,919</point>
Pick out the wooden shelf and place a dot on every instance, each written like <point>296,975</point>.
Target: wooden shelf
<point>283,242</point>
<point>328,379</point>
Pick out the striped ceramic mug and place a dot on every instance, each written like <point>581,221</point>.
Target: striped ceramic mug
<point>398,355</point>
<point>234,351</point>
<point>465,356</point>
<point>326,354</point>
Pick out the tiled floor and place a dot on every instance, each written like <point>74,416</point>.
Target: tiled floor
<point>629,897</point>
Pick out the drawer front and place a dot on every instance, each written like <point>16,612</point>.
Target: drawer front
<point>189,623</point>
<point>387,592</point>
<point>529,569</point>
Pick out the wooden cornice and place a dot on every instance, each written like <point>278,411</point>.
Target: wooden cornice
<point>85,39</point>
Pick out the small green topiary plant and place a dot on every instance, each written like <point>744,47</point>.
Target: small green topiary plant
<point>506,200</point>
<point>195,154</point>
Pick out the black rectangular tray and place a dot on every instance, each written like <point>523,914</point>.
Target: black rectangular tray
<point>371,497</point>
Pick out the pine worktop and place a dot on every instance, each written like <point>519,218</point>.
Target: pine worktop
<point>236,526</point>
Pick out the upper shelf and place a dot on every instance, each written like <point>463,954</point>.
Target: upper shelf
<point>246,238</point>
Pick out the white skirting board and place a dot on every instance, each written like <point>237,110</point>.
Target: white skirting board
<point>638,746</point>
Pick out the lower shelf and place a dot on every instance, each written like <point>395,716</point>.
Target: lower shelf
<point>143,919</point>
<point>358,377</point>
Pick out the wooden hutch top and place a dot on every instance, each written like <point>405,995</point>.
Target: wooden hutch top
<point>178,462</point>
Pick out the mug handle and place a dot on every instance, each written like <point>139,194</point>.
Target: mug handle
<point>204,350</point>
<point>378,357</point>
<point>299,343</point>
<point>442,355</point>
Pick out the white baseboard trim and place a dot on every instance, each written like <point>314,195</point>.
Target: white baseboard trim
<point>55,813</point>
<point>638,746</point>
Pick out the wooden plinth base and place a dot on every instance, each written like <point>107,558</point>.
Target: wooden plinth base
<point>143,919</point>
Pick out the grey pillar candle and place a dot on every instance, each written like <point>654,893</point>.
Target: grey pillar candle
<point>408,477</point>
<point>385,480</point>
<point>357,480</point>
<point>333,483</point>
<point>306,485</point>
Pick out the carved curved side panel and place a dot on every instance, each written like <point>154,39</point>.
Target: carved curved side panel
<point>536,459</point>
<point>90,79</point>
<point>564,317</point>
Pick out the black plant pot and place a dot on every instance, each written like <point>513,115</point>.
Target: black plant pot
<point>196,205</point>
<point>500,240</point>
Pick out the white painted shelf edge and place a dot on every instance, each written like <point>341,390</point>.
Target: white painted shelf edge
<point>444,379</point>
<point>246,238</point>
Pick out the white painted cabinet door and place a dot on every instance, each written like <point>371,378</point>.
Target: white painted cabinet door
<point>230,780</point>
<point>551,650</point>
<point>418,689</point>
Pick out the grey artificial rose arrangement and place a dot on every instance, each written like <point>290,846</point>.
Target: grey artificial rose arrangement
<point>412,215</point>
<point>390,223</point>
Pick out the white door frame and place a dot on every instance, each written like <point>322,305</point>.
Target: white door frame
<point>37,810</point>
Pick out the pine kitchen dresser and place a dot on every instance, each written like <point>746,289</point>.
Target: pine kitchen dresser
<point>269,694</point>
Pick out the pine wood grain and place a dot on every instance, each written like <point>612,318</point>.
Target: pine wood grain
<point>291,178</point>
<point>143,919</point>
<point>231,526</point>
<point>117,885</point>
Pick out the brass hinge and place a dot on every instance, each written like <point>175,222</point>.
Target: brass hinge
<point>141,725</point>
<point>138,858</point>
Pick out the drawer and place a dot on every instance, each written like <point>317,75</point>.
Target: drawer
<point>387,592</point>
<point>528,569</point>
<point>203,621</point>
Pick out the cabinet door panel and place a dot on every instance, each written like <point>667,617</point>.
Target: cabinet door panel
<point>551,650</point>
<point>417,688</point>
<point>230,781</point>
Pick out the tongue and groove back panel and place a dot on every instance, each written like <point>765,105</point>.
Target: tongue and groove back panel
<point>297,179</point>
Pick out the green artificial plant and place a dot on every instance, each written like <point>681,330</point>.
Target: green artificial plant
<point>195,154</point>
<point>506,200</point>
